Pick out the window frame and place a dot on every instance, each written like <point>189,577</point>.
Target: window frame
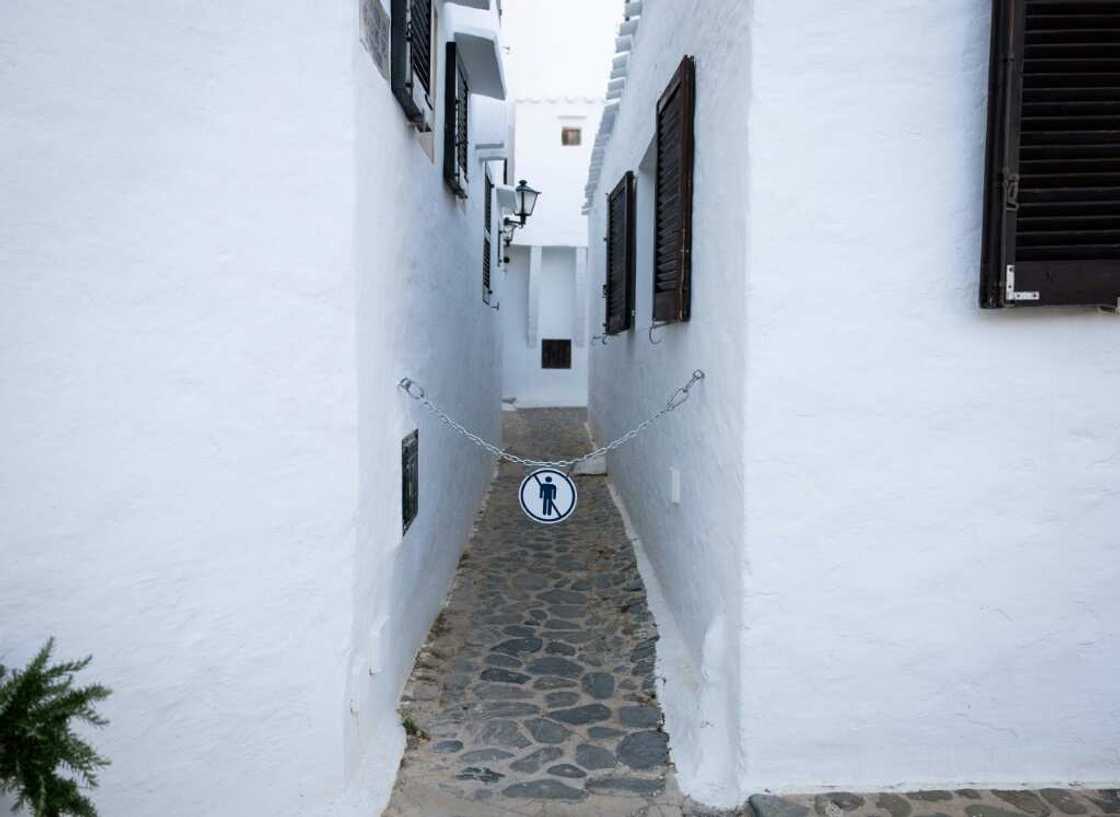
<point>620,279</point>
<point>456,124</point>
<point>414,96</point>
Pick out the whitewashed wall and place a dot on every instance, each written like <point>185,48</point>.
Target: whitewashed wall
<point>695,547</point>
<point>547,298</point>
<point>220,248</point>
<point>894,561</point>
<point>931,489</point>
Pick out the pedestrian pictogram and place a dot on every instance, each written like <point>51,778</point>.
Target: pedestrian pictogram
<point>548,496</point>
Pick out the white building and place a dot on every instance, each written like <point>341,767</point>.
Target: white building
<point>222,244</point>
<point>544,284</point>
<point>892,560</point>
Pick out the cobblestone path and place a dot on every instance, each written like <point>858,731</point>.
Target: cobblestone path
<point>534,694</point>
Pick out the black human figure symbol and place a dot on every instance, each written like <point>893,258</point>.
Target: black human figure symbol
<point>548,497</point>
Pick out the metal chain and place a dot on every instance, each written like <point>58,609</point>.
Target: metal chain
<point>678,399</point>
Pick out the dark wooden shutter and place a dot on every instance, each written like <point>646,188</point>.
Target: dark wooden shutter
<point>1052,187</point>
<point>487,252</point>
<point>456,142</point>
<point>619,287</point>
<point>672,253</point>
<point>411,59</point>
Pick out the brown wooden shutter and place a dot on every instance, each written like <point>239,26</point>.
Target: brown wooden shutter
<point>1052,186</point>
<point>672,253</point>
<point>619,287</point>
<point>456,140</point>
<point>411,59</point>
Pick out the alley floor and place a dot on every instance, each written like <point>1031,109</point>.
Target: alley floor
<point>535,694</point>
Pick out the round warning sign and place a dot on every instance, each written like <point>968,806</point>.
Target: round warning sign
<point>548,496</point>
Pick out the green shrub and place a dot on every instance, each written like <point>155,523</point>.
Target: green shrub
<point>42,761</point>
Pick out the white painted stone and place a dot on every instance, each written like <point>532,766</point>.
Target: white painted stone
<point>221,247</point>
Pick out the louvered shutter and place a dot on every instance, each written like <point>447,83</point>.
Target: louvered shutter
<point>456,142</point>
<point>1052,191</point>
<point>672,254</point>
<point>411,58</point>
<point>620,256</point>
<point>487,252</point>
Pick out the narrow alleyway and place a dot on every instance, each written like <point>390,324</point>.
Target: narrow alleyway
<point>534,694</point>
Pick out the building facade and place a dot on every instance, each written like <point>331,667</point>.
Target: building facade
<point>880,536</point>
<point>544,283</point>
<point>225,237</point>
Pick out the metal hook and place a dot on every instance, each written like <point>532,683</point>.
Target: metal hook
<point>653,326</point>
<point>411,388</point>
<point>602,339</point>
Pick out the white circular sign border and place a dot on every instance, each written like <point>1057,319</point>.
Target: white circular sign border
<point>537,519</point>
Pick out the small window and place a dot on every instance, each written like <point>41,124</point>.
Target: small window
<point>411,59</point>
<point>487,247</point>
<point>672,249</point>
<point>456,130</point>
<point>619,288</point>
<point>556,354</point>
<point>410,479</point>
<point>571,137</point>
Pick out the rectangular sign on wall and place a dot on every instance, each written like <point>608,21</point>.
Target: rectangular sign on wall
<point>375,34</point>
<point>410,479</point>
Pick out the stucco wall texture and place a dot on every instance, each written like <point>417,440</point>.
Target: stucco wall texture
<point>894,562</point>
<point>221,247</point>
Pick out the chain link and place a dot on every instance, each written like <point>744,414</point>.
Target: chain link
<point>678,399</point>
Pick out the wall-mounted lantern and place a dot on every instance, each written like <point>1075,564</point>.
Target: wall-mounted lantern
<point>526,200</point>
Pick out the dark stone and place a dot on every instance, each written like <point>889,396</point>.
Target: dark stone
<point>503,661</point>
<point>538,615</point>
<point>544,790</point>
<point>482,775</point>
<point>530,581</point>
<point>582,584</point>
<point>501,692</point>
<point>563,597</point>
<point>557,624</point>
<point>567,770</point>
<point>1064,801</point>
<point>643,667</point>
<point>581,714</point>
<point>505,734</point>
<point>845,801</point>
<point>1026,801</point>
<point>519,631</point>
<point>894,805</point>
<point>559,648</point>
<point>554,665</point>
<point>446,747</point>
<point>503,676</point>
<point>485,756</point>
<point>569,611</point>
<point>555,699</point>
<point>594,757</point>
<point>599,685</point>
<point>640,717</point>
<point>604,733</point>
<point>517,646</point>
<point>544,731</point>
<point>769,805</point>
<point>531,763</point>
<point>626,785</point>
<point>935,796</point>
<point>644,750</point>
<point>553,683</point>
<point>506,709</point>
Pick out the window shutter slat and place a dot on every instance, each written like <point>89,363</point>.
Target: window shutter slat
<point>1052,193</point>
<point>672,281</point>
<point>620,256</point>
<point>420,34</point>
<point>456,140</point>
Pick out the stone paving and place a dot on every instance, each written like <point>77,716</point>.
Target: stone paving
<point>956,803</point>
<point>535,692</point>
